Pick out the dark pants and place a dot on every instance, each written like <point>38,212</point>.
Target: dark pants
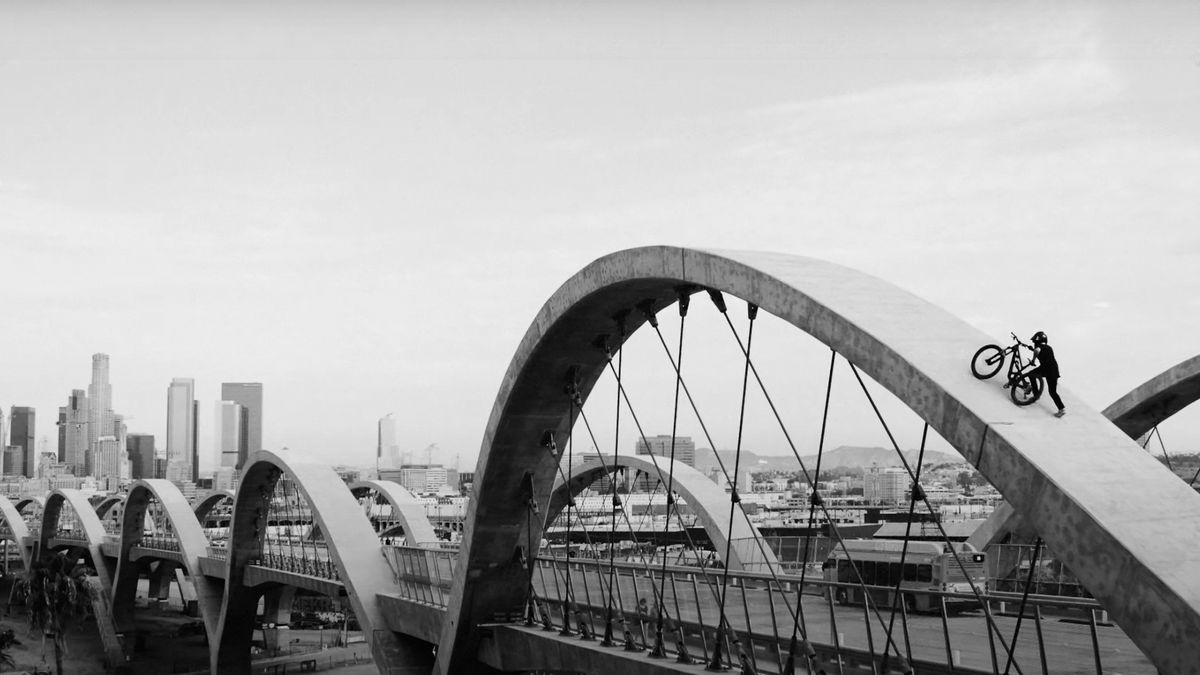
<point>1051,385</point>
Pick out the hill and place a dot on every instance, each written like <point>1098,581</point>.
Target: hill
<point>845,456</point>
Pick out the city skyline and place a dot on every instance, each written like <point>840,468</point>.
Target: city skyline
<point>366,216</point>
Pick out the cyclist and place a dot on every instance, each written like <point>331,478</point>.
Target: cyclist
<point>1047,369</point>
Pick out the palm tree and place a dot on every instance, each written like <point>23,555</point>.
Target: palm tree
<point>56,592</point>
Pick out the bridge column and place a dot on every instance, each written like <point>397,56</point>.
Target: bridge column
<point>277,610</point>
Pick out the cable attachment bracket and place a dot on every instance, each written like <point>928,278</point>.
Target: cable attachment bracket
<point>646,307</point>
<point>816,499</point>
<point>685,297</point>
<point>549,444</point>
<point>751,311</point>
<point>718,300</point>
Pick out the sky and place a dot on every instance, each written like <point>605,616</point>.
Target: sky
<point>364,205</point>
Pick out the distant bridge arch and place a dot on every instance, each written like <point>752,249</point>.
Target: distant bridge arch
<point>707,500</point>
<point>1052,470</point>
<point>405,508</point>
<point>192,545</point>
<point>93,530</point>
<point>352,544</point>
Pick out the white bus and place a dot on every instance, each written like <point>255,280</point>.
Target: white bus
<point>928,566</point>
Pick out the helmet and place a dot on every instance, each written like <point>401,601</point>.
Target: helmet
<point>1039,338</point>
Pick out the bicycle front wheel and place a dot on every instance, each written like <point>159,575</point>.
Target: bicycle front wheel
<point>987,361</point>
<point>1026,390</point>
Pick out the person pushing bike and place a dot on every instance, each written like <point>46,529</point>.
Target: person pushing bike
<point>1046,368</point>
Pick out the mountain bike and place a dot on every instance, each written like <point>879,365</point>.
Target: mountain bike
<point>988,361</point>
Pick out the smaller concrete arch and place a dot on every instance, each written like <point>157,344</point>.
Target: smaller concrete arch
<point>1157,399</point>
<point>93,529</point>
<point>192,545</point>
<point>353,548</point>
<point>25,503</point>
<point>418,530</point>
<point>107,504</point>
<point>705,497</point>
<point>206,505</point>
<point>18,527</point>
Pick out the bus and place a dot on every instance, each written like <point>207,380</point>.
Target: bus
<point>928,566</point>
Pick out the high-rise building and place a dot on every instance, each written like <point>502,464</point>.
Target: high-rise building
<point>14,460</point>
<point>387,453</point>
<point>73,432</point>
<point>685,448</point>
<point>231,436</point>
<point>22,425</point>
<point>660,446</point>
<point>109,457</point>
<point>181,430</point>
<point>250,396</point>
<point>885,485</point>
<point>99,411</point>
<point>140,448</point>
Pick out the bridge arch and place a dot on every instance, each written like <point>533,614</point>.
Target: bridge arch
<point>192,545</point>
<point>206,505</point>
<point>352,544</point>
<point>17,526</point>
<point>107,504</point>
<point>93,529</point>
<point>1128,551</point>
<point>1136,413</point>
<point>418,530</point>
<point>707,499</point>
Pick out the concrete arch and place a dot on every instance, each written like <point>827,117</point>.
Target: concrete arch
<point>352,545</point>
<point>206,505</point>
<point>707,499</point>
<point>107,504</point>
<point>1136,413</point>
<point>192,545</point>
<point>18,527</point>
<point>1157,399</point>
<point>1128,536</point>
<point>418,530</point>
<point>93,529</point>
<point>24,503</point>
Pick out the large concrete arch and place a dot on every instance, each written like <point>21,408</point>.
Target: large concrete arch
<point>192,545</point>
<point>18,527</point>
<point>1130,535</point>
<point>418,530</point>
<point>708,500</point>
<point>93,529</point>
<point>352,545</point>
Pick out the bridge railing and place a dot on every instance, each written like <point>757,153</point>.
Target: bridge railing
<point>423,573</point>
<point>936,631</point>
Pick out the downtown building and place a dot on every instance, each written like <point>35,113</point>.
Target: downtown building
<point>99,410</point>
<point>181,431</point>
<point>248,395</point>
<point>73,433</point>
<point>230,443</point>
<point>20,455</point>
<point>140,449</point>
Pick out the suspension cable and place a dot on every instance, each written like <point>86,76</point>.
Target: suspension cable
<point>916,495</point>
<point>1037,549</point>
<point>957,559</point>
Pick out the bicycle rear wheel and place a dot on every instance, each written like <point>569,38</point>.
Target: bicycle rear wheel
<point>987,361</point>
<point>1026,390</point>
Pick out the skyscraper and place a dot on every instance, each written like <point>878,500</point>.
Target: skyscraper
<point>75,428</point>
<point>388,453</point>
<point>22,426</point>
<point>109,457</point>
<point>181,429</point>
<point>660,446</point>
<point>100,413</point>
<point>231,433</point>
<point>250,396</point>
<point>140,448</point>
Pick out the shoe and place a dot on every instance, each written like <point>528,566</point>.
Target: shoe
<point>1060,413</point>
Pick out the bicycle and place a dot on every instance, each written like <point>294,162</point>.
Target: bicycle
<point>1023,389</point>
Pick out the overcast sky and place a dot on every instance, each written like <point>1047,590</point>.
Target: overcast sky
<point>363,206</point>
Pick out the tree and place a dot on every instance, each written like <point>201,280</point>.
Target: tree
<point>56,593</point>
